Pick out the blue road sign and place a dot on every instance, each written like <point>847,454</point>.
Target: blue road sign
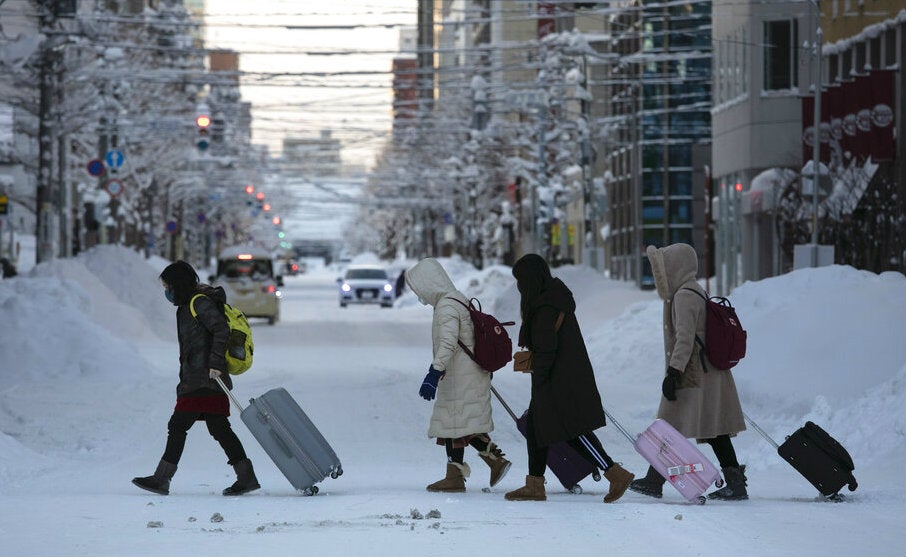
<point>95,167</point>
<point>115,158</point>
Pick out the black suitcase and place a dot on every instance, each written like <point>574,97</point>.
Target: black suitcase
<point>820,458</point>
<point>568,465</point>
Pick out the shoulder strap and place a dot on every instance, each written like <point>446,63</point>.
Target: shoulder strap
<point>700,295</point>
<point>467,306</point>
<point>701,345</point>
<point>192,304</point>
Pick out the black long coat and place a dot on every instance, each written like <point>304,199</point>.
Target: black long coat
<point>565,400</point>
<point>202,343</point>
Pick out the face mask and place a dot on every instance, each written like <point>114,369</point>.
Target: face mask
<point>168,294</point>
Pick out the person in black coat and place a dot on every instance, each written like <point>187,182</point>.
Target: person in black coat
<point>202,357</point>
<point>565,404</point>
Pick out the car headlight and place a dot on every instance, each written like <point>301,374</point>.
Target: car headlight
<point>345,287</point>
<point>388,287</point>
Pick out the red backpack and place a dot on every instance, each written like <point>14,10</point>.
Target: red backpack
<point>493,347</point>
<point>725,339</point>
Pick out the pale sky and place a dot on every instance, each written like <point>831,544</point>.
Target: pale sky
<point>300,102</point>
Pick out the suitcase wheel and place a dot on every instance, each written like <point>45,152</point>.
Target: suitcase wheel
<point>702,500</point>
<point>719,483</point>
<point>576,489</point>
<point>596,476</point>
<point>309,491</point>
<point>336,473</point>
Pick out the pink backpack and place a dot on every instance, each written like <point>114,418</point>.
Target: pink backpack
<point>493,347</point>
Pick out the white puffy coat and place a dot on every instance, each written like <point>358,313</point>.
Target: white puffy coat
<point>463,403</point>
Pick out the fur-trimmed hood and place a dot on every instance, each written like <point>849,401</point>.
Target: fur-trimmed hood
<point>429,281</point>
<point>672,266</point>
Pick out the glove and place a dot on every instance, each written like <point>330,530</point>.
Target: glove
<point>429,385</point>
<point>668,387</point>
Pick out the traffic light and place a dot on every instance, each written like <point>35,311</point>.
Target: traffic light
<point>203,122</point>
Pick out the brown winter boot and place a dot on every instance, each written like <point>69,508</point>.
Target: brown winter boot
<point>619,480</point>
<point>533,490</point>
<point>455,482</point>
<point>493,457</point>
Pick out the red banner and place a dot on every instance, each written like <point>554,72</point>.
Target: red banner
<point>857,120</point>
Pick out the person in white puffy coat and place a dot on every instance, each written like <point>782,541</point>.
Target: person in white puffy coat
<point>460,388</point>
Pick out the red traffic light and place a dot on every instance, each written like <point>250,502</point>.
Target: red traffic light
<point>202,120</point>
<point>249,189</point>
<point>259,196</point>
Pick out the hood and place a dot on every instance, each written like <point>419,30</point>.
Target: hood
<point>213,292</point>
<point>538,287</point>
<point>672,266</point>
<point>429,281</point>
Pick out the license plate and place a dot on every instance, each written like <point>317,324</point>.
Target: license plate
<point>367,294</point>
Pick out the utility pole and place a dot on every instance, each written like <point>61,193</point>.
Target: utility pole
<point>44,209</point>
<point>816,147</point>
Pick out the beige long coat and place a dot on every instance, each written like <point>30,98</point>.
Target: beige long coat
<point>463,403</point>
<point>707,404</point>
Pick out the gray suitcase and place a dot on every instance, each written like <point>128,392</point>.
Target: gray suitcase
<point>290,439</point>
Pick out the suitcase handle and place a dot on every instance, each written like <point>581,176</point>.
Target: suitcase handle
<point>505,405</point>
<point>619,426</point>
<point>763,433</point>
<point>228,392</point>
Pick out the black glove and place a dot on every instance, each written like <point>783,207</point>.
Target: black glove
<point>429,385</point>
<point>668,387</point>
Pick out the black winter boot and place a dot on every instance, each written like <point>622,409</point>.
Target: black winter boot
<point>159,482</point>
<point>735,490</point>
<point>651,485</point>
<point>245,479</point>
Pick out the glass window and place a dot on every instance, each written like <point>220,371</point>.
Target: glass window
<point>890,46</point>
<point>681,235</point>
<point>653,156</point>
<point>681,183</point>
<point>833,62</point>
<point>874,53</point>
<point>680,211</point>
<point>860,57</point>
<point>652,183</point>
<point>379,274</point>
<point>780,60</point>
<point>680,155</point>
<point>254,268</point>
<point>652,237</point>
<point>653,212</point>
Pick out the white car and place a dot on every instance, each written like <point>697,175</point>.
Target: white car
<point>247,275</point>
<point>365,284</point>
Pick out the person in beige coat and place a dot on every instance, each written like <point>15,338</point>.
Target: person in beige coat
<point>462,409</point>
<point>701,403</point>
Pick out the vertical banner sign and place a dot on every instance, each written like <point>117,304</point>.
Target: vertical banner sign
<point>857,120</point>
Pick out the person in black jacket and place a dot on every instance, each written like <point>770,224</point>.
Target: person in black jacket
<point>565,404</point>
<point>202,349</point>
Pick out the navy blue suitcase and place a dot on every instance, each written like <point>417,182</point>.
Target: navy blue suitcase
<point>567,464</point>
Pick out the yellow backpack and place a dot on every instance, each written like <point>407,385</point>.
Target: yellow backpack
<point>240,347</point>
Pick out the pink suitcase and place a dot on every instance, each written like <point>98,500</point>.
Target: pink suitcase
<point>676,458</point>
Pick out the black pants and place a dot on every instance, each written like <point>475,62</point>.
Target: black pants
<point>587,445</point>
<point>218,427</point>
<point>479,442</point>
